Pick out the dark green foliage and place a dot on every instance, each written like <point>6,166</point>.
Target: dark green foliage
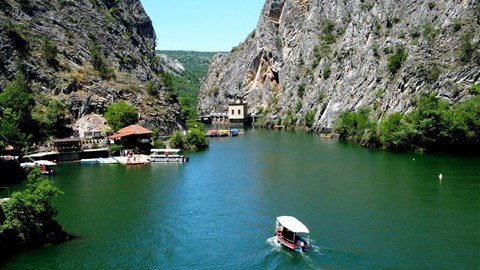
<point>187,84</point>
<point>474,89</point>
<point>29,213</point>
<point>50,114</point>
<point>49,50</point>
<point>18,34</point>
<point>16,103</point>
<point>177,140</point>
<point>457,24</point>
<point>167,80</point>
<point>196,139</point>
<point>23,121</point>
<point>310,117</point>
<point>100,63</point>
<point>289,120</point>
<point>392,134</point>
<point>430,73</point>
<point>188,108</point>
<point>462,126</point>
<point>115,149</point>
<point>327,38</point>
<point>367,5</point>
<point>120,114</point>
<point>469,50</point>
<point>433,126</point>
<point>157,142</point>
<point>395,61</point>
<point>430,32</point>
<point>357,126</point>
<point>151,88</point>
<point>326,71</point>
<point>301,90</point>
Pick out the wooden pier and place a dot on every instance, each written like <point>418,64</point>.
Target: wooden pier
<point>134,160</point>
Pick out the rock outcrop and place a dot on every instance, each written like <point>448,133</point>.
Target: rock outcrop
<point>88,54</point>
<point>327,57</point>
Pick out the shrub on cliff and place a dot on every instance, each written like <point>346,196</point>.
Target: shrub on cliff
<point>395,61</point>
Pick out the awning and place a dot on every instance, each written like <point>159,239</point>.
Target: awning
<point>293,224</point>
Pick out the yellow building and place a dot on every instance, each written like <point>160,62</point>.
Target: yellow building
<point>237,113</point>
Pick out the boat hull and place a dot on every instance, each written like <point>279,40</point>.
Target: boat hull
<point>291,245</point>
<point>171,158</point>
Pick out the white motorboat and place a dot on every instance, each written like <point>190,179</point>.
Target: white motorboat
<point>291,233</point>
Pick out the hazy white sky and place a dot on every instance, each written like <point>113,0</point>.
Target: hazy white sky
<point>202,25</point>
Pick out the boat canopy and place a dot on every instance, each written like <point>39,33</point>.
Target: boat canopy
<point>292,224</point>
<point>165,150</point>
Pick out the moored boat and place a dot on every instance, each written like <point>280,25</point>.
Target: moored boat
<point>234,131</point>
<point>167,155</point>
<point>43,165</point>
<point>291,233</point>
<point>212,133</point>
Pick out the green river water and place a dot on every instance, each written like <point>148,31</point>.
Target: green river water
<point>366,209</point>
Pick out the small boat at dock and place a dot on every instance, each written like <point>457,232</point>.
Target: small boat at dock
<point>167,155</point>
<point>234,132</point>
<point>291,233</point>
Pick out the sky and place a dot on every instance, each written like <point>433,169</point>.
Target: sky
<point>202,25</point>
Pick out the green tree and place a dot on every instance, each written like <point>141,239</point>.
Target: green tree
<point>51,117</point>
<point>196,139</point>
<point>120,114</point>
<point>395,133</point>
<point>10,133</point>
<point>16,103</point>
<point>427,120</point>
<point>461,126</point>
<point>177,140</point>
<point>29,213</point>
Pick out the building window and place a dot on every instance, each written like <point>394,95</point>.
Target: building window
<point>239,111</point>
<point>233,112</point>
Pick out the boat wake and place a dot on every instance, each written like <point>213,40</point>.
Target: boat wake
<point>309,258</point>
<point>272,241</point>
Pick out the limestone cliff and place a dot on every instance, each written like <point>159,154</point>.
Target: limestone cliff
<point>88,54</point>
<point>326,57</point>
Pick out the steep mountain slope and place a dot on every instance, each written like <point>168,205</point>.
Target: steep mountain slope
<point>326,57</point>
<point>88,54</point>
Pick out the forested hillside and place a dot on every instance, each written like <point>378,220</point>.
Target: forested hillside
<point>186,69</point>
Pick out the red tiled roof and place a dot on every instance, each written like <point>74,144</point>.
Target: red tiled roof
<point>130,130</point>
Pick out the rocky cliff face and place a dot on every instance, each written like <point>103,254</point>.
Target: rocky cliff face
<point>88,54</point>
<point>325,57</point>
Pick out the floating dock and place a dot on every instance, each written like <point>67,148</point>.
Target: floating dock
<point>135,160</point>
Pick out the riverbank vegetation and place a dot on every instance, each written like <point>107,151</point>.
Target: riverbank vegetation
<point>26,220</point>
<point>193,140</point>
<point>434,125</point>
